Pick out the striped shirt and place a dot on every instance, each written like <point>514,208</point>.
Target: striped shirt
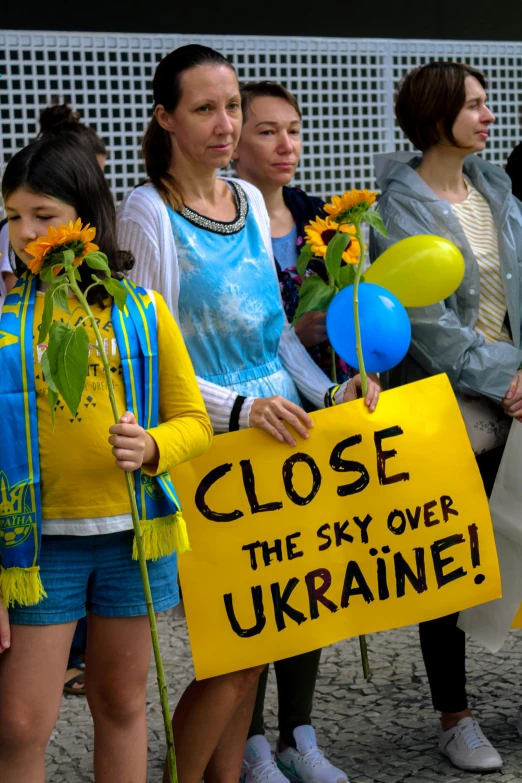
<point>479,228</point>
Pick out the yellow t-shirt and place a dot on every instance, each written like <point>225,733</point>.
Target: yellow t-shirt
<point>79,476</point>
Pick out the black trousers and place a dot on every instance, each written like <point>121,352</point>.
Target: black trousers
<point>443,644</point>
<point>295,690</point>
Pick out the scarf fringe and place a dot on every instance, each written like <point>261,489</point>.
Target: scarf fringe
<point>21,586</point>
<point>163,536</point>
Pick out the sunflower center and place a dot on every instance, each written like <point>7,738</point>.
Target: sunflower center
<point>328,235</point>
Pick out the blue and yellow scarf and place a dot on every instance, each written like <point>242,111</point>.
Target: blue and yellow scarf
<point>163,529</point>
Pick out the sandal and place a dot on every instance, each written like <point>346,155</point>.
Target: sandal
<point>74,675</point>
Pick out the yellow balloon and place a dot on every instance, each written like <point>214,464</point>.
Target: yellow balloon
<point>420,270</point>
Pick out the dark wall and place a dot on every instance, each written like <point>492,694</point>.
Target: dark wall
<point>450,19</point>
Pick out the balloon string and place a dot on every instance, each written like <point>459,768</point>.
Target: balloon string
<point>358,341</point>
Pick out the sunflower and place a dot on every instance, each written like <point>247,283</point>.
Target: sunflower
<point>353,251</point>
<point>73,237</point>
<point>350,199</point>
<point>321,231</point>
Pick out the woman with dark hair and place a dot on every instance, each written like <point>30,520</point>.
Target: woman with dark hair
<point>60,117</point>
<point>475,335</point>
<point>81,531</point>
<point>267,156</point>
<point>204,242</point>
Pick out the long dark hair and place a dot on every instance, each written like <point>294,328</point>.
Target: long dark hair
<point>57,166</point>
<point>166,86</point>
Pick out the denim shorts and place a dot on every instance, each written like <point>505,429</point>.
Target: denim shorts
<point>96,574</point>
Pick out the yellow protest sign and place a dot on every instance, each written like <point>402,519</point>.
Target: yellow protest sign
<point>377,520</point>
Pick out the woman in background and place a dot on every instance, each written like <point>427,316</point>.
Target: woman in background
<point>475,335</point>
<point>61,117</point>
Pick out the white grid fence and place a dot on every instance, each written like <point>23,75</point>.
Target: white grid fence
<point>345,88</point>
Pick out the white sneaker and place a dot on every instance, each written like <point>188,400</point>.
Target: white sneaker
<point>467,748</point>
<point>306,763</point>
<point>258,765</point>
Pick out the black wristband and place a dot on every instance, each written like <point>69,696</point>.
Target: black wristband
<point>234,414</point>
<point>329,400</point>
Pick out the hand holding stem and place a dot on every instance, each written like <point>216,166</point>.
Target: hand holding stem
<point>132,445</point>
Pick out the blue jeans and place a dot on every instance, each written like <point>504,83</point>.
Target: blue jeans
<point>96,574</point>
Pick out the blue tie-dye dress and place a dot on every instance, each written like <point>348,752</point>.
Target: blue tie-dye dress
<point>230,310</point>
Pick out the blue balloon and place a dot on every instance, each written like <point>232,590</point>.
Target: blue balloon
<point>385,327</point>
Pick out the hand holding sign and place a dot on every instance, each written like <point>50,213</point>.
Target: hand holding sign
<point>354,388</point>
<point>371,524</point>
<point>270,413</point>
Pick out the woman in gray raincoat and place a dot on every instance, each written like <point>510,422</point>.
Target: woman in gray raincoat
<point>475,335</point>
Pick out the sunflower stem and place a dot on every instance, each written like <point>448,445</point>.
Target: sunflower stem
<point>334,364</point>
<point>358,341</point>
<point>364,657</point>
<point>364,388</point>
<point>333,367</point>
<point>162,686</point>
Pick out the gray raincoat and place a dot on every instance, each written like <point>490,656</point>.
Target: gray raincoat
<point>443,336</point>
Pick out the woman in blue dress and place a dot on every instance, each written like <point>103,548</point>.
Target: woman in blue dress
<point>205,246</point>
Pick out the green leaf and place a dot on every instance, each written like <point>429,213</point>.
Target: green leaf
<point>347,275</point>
<point>57,282</point>
<point>47,274</point>
<point>52,397</point>
<point>314,294</point>
<point>57,333</point>
<point>77,274</point>
<point>68,257</point>
<point>302,262</point>
<point>61,299</point>
<point>45,364</point>
<point>72,366</point>
<point>97,260</point>
<point>47,316</point>
<point>117,290</point>
<point>376,222</point>
<point>334,252</point>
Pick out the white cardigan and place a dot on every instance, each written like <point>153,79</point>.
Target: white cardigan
<point>144,228</point>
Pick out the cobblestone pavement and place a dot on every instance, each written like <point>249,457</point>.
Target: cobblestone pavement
<point>381,731</point>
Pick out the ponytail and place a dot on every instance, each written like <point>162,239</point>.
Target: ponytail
<point>157,153</point>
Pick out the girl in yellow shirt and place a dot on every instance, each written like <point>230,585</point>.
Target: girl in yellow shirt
<point>85,559</point>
